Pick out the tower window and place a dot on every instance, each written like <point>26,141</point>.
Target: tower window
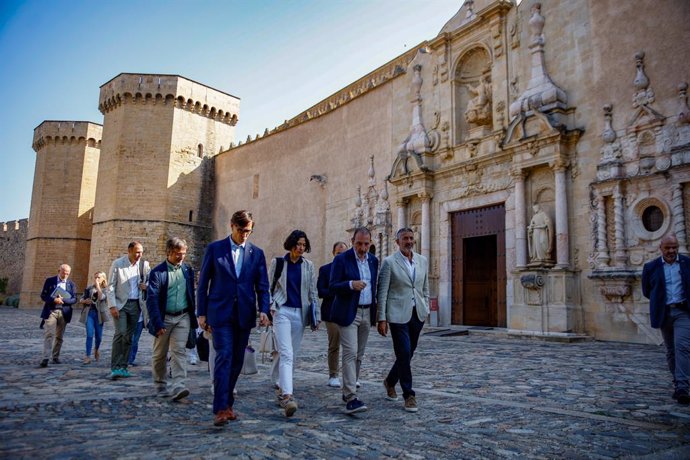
<point>191,215</point>
<point>201,150</point>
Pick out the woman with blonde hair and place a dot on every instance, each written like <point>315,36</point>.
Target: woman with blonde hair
<point>94,313</point>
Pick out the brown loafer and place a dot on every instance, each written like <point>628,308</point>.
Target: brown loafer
<point>230,414</point>
<point>220,419</point>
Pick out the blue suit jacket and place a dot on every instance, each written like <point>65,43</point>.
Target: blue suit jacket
<point>48,287</point>
<point>343,270</point>
<point>322,288</point>
<point>654,287</point>
<point>222,297</point>
<point>157,296</point>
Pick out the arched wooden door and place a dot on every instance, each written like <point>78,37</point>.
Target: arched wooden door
<point>478,264</point>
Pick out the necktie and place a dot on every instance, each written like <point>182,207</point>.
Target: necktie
<point>238,259</point>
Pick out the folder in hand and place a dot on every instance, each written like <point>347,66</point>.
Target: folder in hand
<point>62,293</point>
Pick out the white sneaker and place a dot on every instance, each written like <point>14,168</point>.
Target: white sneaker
<point>334,382</point>
<point>193,360</point>
<point>358,384</point>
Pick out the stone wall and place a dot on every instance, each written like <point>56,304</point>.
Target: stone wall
<point>12,253</point>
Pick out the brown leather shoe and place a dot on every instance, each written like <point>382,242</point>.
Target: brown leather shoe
<point>220,419</point>
<point>230,414</point>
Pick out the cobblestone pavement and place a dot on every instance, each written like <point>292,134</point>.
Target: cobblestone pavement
<point>481,395</point>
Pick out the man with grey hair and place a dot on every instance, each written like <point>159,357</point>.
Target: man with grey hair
<point>403,300</point>
<point>127,282</point>
<point>58,295</point>
<point>171,308</point>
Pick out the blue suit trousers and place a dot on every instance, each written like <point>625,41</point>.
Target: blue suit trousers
<point>229,343</point>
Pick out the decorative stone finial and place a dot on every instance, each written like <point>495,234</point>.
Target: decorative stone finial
<point>609,135</point>
<point>684,110</point>
<point>641,81</point>
<point>536,24</point>
<point>358,199</point>
<point>371,173</point>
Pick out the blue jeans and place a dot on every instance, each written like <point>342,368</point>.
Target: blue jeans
<point>229,343</point>
<point>405,337</point>
<point>93,328</point>
<point>135,342</point>
<point>676,333</point>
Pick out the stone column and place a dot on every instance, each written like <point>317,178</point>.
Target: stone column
<point>602,244</point>
<point>401,214</point>
<point>520,227</point>
<point>562,245</point>
<point>619,255</point>
<point>426,224</point>
<point>679,217</point>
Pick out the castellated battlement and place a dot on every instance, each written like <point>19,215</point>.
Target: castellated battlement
<point>180,92</point>
<point>10,226</point>
<point>67,132</point>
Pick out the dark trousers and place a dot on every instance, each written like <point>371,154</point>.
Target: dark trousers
<point>125,326</point>
<point>135,342</point>
<point>229,343</point>
<point>676,333</point>
<point>405,337</point>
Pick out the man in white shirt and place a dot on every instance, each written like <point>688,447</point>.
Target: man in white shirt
<point>127,281</point>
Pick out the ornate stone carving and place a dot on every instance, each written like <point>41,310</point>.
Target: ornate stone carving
<point>418,141</point>
<point>615,294</point>
<point>532,281</point>
<point>602,255</point>
<point>643,98</point>
<point>541,93</point>
<point>479,111</point>
<point>683,109</point>
<point>678,212</point>
<point>372,210</point>
<point>540,236</point>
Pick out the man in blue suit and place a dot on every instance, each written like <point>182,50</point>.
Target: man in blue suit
<point>666,283</point>
<point>331,327</point>
<point>170,304</point>
<point>233,281</point>
<point>353,285</point>
<point>57,311</point>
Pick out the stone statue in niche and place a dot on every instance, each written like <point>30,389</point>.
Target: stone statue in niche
<point>540,236</point>
<point>479,107</point>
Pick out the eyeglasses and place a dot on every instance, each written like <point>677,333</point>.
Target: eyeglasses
<point>244,231</point>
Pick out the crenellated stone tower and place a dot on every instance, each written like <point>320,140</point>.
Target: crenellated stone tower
<point>62,201</point>
<point>155,178</point>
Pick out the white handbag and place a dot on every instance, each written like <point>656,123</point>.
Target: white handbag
<point>267,343</point>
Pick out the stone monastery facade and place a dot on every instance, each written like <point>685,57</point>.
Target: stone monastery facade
<point>539,151</point>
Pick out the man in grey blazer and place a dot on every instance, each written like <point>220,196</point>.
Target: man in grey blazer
<point>403,304</point>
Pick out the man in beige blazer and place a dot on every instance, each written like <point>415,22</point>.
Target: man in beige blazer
<point>403,304</point>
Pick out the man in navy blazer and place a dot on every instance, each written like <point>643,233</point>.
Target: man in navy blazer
<point>170,304</point>
<point>353,285</point>
<point>332,328</point>
<point>666,283</point>
<point>57,312</point>
<point>233,281</point>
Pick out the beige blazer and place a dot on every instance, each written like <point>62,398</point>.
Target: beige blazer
<point>307,288</point>
<point>118,284</point>
<point>398,293</point>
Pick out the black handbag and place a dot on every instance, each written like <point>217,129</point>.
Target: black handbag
<point>202,347</point>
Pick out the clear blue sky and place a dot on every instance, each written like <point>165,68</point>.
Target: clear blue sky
<point>279,56</point>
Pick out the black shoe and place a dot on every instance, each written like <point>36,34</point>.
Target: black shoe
<point>44,363</point>
<point>681,396</point>
<point>354,406</point>
<point>56,360</point>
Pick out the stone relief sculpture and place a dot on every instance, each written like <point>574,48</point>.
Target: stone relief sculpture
<point>478,110</point>
<point>540,236</point>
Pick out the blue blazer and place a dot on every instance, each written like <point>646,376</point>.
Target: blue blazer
<point>654,287</point>
<point>343,270</point>
<point>48,287</point>
<point>222,297</point>
<point>322,288</point>
<point>157,296</point>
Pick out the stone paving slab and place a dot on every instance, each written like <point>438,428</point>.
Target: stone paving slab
<point>481,395</point>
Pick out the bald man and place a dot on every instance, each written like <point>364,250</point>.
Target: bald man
<point>666,283</point>
<point>58,295</point>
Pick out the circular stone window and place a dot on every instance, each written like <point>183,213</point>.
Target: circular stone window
<point>651,218</point>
